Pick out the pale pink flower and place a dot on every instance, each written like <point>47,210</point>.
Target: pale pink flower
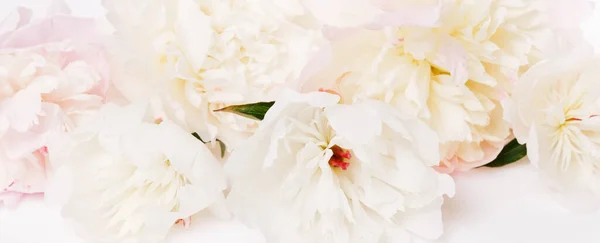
<point>51,77</point>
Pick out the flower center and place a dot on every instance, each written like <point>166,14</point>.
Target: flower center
<point>340,157</point>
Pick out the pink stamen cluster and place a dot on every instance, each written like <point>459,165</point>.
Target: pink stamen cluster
<point>43,151</point>
<point>340,157</point>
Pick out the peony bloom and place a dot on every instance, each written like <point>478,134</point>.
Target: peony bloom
<point>453,75</point>
<point>51,77</point>
<point>319,171</point>
<point>554,109</point>
<point>127,180</point>
<point>197,56</point>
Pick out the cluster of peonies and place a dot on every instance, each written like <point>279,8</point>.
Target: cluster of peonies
<point>314,120</point>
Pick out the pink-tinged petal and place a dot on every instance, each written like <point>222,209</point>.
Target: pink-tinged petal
<point>96,57</point>
<point>80,103</point>
<point>4,122</point>
<point>10,199</point>
<point>26,174</point>
<point>54,29</point>
<point>18,145</point>
<point>58,7</point>
<point>15,20</point>
<point>452,57</point>
<point>31,178</point>
<point>90,63</point>
<point>426,15</point>
<point>447,165</point>
<point>50,119</point>
<point>569,14</point>
<point>490,152</point>
<point>334,33</point>
<point>23,109</point>
<point>80,77</point>
<point>316,64</point>
<point>343,13</point>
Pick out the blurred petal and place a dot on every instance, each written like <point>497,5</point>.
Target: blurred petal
<point>194,32</point>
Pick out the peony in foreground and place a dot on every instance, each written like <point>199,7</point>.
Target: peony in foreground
<point>125,178</point>
<point>320,171</point>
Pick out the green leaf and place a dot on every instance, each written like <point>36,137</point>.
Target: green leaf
<point>512,152</point>
<point>255,111</point>
<point>198,137</point>
<point>223,147</point>
<point>221,143</point>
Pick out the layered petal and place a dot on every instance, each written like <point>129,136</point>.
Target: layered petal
<point>52,76</point>
<point>132,180</point>
<point>308,175</point>
<point>454,74</point>
<point>195,57</point>
<point>554,110</point>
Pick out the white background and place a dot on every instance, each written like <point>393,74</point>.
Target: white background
<point>507,205</point>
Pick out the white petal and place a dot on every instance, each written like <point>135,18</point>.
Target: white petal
<point>345,119</point>
<point>340,13</point>
<point>427,222</point>
<point>194,32</point>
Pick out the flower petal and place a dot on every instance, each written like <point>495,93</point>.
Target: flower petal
<point>194,32</point>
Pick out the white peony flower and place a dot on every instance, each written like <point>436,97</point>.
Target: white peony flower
<point>126,180</point>
<point>198,56</point>
<point>453,75</point>
<point>554,109</point>
<point>319,171</point>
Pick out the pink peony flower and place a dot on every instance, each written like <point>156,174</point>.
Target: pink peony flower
<point>52,75</point>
